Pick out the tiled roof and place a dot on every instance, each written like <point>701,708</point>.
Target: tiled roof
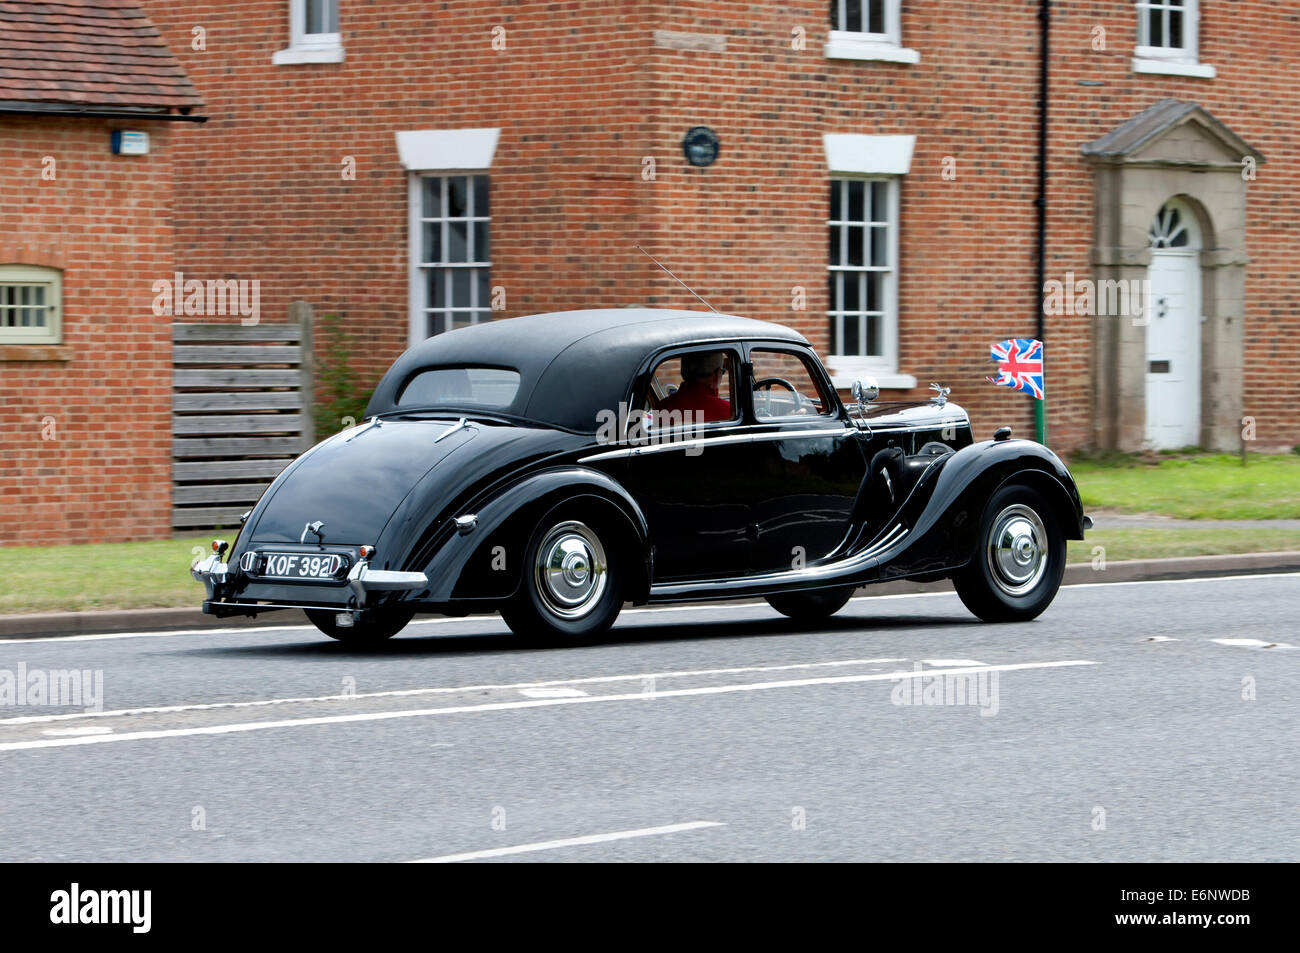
<point>86,54</point>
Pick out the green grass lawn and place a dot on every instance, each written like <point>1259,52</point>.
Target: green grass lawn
<point>1121,544</point>
<point>156,574</point>
<point>101,576</point>
<point>1194,487</point>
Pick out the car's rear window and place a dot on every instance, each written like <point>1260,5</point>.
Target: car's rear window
<point>488,387</point>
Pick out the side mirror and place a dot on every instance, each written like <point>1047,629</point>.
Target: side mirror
<point>865,391</point>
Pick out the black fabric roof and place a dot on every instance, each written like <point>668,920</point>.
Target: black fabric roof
<point>572,364</point>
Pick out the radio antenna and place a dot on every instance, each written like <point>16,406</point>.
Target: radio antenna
<point>675,278</point>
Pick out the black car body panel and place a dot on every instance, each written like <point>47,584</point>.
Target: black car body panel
<point>449,495</point>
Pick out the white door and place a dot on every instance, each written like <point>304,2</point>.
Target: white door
<point>1173,350</point>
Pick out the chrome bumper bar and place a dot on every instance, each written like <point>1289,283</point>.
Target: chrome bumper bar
<point>212,572</point>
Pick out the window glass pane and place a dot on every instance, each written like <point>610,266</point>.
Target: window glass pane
<point>699,382</point>
<point>460,279</point>
<point>322,16</point>
<point>432,189</point>
<point>457,244</point>
<point>1176,29</point>
<point>853,16</point>
<point>876,20</point>
<point>855,244</point>
<point>857,199</point>
<point>435,288</point>
<point>481,206</point>
<point>481,250</point>
<point>873,335</point>
<point>834,245</point>
<point>484,283</point>
<point>1155,27</point>
<point>461,386</point>
<point>835,200</point>
<point>879,201</point>
<point>457,199</point>
<point>432,242</point>
<point>778,372</point>
<point>872,283</point>
<point>879,246</point>
<point>852,291</point>
<point>851,337</point>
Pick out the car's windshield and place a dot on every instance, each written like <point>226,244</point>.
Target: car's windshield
<point>491,388</point>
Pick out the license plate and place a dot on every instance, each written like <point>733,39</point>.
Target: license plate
<point>301,565</point>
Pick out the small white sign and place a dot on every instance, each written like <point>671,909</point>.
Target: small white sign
<point>127,143</point>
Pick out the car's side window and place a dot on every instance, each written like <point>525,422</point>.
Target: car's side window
<point>784,386</point>
<point>698,383</point>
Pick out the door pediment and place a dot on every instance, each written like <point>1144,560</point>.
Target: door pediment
<point>1172,133</point>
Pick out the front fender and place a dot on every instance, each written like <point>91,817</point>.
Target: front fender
<point>944,523</point>
<point>464,567</point>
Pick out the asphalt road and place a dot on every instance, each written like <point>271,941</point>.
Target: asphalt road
<point>1115,727</point>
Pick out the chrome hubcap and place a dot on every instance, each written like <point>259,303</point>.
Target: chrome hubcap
<point>570,571</point>
<point>1017,550</point>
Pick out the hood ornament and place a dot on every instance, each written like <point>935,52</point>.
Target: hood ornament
<point>315,528</point>
<point>941,395</point>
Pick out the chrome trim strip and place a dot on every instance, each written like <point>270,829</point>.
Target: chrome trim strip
<point>702,442</point>
<point>358,431</point>
<point>814,573</point>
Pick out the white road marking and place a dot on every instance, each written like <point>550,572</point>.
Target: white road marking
<point>104,636</point>
<point>567,842</point>
<point>1159,638</point>
<point>444,690</point>
<point>948,662</point>
<point>552,692</point>
<point>640,697</point>
<point>1253,643</point>
<point>78,732</point>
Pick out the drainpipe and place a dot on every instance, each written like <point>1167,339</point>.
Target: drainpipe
<point>1044,47</point>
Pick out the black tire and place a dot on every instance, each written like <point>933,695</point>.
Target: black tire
<point>375,628</point>
<point>811,606</point>
<point>1019,558</point>
<point>572,586</point>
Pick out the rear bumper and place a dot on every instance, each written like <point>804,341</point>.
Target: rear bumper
<point>224,589</point>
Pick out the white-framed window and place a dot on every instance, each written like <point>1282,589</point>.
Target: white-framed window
<point>868,30</point>
<point>31,300</point>
<point>451,252</point>
<point>314,35</point>
<point>863,270</point>
<point>1168,38</point>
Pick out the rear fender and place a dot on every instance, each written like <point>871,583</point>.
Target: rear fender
<point>484,563</point>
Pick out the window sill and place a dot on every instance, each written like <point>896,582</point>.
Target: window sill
<point>35,352</point>
<point>295,55</point>
<point>844,371</point>
<point>1173,68</point>
<point>847,46</point>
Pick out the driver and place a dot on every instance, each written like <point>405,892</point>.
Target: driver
<point>702,374</point>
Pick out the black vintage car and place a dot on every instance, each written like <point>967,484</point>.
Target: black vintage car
<point>553,467</point>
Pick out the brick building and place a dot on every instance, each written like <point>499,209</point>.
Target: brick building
<point>413,166</point>
<point>85,221</point>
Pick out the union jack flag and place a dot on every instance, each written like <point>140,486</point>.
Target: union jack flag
<point>1020,365</point>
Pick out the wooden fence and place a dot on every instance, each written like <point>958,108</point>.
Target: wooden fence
<point>241,412</point>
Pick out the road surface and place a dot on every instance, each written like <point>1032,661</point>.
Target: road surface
<point>1148,721</point>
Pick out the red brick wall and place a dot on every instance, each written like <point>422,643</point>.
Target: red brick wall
<point>582,95</point>
<point>85,441</point>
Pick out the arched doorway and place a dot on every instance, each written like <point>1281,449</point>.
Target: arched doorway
<point>1173,331</point>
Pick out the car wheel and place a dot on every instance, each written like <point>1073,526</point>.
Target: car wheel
<point>811,606</point>
<point>571,589</point>
<point>379,625</point>
<point>1019,560</point>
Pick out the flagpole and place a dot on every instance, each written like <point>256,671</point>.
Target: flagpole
<point>1045,20</point>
